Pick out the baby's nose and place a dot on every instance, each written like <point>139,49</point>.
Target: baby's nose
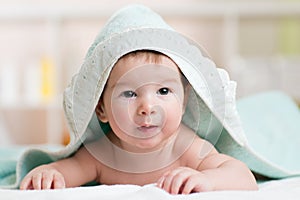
<point>146,107</point>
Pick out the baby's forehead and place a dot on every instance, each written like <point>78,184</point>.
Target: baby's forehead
<point>143,61</point>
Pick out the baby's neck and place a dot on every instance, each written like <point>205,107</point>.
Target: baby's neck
<point>167,144</point>
<point>132,161</point>
<point>115,157</point>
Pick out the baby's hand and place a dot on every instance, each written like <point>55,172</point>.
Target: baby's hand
<point>43,177</point>
<point>184,180</point>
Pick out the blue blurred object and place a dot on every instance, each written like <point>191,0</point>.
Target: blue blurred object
<point>271,121</point>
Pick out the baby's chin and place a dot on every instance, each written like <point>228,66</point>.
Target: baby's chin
<point>147,145</point>
<point>157,143</point>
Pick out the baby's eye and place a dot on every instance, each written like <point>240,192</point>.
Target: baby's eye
<point>128,94</point>
<point>163,91</point>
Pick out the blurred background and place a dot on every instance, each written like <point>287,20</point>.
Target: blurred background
<point>43,43</point>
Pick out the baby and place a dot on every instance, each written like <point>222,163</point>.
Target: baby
<point>143,102</point>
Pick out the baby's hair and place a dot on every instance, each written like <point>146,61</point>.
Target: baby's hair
<point>148,55</point>
<point>155,57</point>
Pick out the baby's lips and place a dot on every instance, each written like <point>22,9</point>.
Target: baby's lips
<point>149,129</point>
<point>149,121</point>
<point>146,125</point>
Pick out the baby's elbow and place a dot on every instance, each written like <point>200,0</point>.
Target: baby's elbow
<point>252,185</point>
<point>248,181</point>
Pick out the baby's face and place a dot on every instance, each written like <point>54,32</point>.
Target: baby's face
<point>143,102</point>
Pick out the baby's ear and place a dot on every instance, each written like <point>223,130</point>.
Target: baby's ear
<point>100,112</point>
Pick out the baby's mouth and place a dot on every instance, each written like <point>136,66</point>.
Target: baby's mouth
<point>149,129</point>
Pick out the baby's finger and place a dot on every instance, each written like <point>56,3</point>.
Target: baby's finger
<point>196,184</point>
<point>36,181</point>
<point>46,181</point>
<point>168,181</point>
<point>26,183</point>
<point>160,182</point>
<point>178,181</point>
<point>58,181</point>
<point>188,186</point>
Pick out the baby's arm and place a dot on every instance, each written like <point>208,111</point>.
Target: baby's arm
<point>74,171</point>
<point>227,173</point>
<point>215,172</point>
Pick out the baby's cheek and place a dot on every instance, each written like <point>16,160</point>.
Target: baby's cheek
<point>122,117</point>
<point>119,110</point>
<point>172,121</point>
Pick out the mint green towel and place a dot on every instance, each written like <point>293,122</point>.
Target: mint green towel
<point>8,161</point>
<point>271,121</point>
<point>16,161</point>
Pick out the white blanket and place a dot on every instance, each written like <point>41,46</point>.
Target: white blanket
<point>287,189</point>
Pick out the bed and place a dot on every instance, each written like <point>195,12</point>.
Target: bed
<point>286,189</point>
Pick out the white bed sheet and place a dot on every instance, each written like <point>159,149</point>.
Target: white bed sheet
<point>286,189</point>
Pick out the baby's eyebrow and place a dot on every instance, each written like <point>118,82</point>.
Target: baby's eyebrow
<point>118,84</point>
<point>172,80</point>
